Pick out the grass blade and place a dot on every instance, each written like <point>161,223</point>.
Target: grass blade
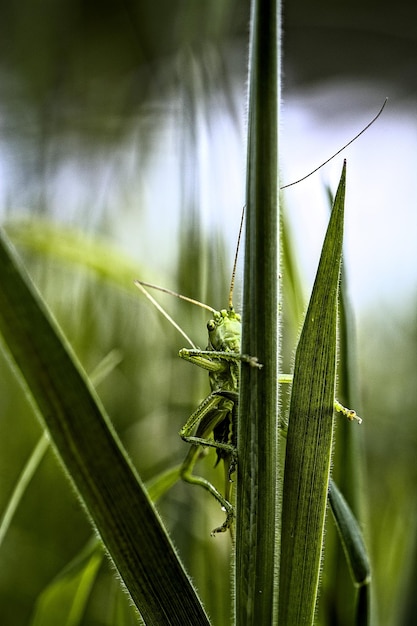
<point>91,453</point>
<point>351,537</point>
<point>25,477</point>
<point>256,529</point>
<point>310,433</point>
<point>347,467</point>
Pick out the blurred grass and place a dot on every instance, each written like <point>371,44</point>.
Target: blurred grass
<point>62,116</point>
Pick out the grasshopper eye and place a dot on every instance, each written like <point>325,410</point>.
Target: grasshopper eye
<point>211,325</point>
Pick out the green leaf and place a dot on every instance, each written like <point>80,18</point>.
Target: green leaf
<point>91,452</point>
<point>351,537</point>
<point>310,433</point>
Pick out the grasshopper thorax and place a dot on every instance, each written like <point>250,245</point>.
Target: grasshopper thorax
<point>224,331</point>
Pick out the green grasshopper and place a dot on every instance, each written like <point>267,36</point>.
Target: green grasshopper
<point>214,422</point>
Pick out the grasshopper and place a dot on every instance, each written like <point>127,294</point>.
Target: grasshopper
<point>214,422</point>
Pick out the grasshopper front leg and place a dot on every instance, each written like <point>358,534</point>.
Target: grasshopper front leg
<point>204,358</point>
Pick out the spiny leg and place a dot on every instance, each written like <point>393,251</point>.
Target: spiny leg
<point>205,418</point>
<point>186,474</point>
<point>338,407</point>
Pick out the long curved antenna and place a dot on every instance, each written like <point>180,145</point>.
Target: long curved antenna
<point>232,281</point>
<point>341,149</point>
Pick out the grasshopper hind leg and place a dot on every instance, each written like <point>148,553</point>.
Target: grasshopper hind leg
<point>199,431</point>
<point>187,475</point>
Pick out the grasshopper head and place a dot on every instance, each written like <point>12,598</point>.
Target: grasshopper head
<point>224,331</point>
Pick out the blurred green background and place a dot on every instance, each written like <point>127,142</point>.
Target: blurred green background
<point>122,156</point>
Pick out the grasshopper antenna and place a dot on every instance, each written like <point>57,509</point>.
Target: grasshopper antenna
<point>140,284</point>
<point>341,149</point>
<point>232,282</point>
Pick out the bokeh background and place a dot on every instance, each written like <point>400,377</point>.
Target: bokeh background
<point>122,156</point>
